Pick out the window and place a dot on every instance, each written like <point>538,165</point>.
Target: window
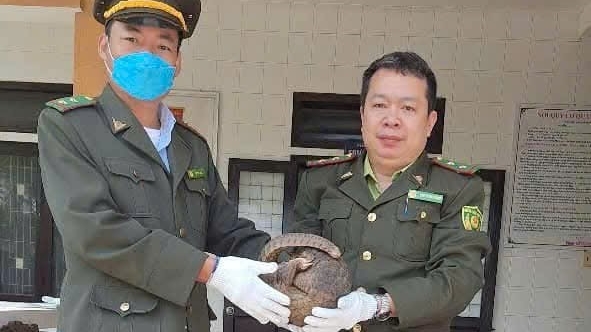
<point>258,187</point>
<point>27,268</point>
<point>20,206</point>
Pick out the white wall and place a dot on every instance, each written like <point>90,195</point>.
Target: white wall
<point>32,52</point>
<point>487,61</point>
<point>36,52</point>
<point>36,44</point>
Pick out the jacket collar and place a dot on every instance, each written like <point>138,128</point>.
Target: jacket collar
<point>354,184</point>
<point>124,124</point>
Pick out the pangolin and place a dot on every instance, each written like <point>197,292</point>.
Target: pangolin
<point>314,275</point>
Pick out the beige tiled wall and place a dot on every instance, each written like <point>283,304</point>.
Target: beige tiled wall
<point>36,52</point>
<point>487,60</point>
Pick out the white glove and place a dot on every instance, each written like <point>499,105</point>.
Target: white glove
<point>355,307</point>
<point>237,279</point>
<point>291,327</point>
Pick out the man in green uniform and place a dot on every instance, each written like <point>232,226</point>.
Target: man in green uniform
<point>136,196</point>
<point>397,215</point>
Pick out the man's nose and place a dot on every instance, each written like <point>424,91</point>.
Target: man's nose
<point>392,118</point>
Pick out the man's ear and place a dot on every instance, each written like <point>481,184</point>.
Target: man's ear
<point>431,121</point>
<point>361,114</point>
<point>103,50</point>
<point>178,64</point>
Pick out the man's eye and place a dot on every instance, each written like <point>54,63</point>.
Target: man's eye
<point>131,39</point>
<point>379,105</point>
<point>164,48</point>
<point>409,108</point>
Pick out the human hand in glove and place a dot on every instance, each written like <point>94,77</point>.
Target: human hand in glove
<point>355,307</point>
<point>238,280</point>
<point>291,327</point>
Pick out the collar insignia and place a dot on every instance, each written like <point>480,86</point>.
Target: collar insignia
<point>118,125</point>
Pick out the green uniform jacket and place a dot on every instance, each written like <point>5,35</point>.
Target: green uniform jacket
<point>417,251</point>
<point>134,235</point>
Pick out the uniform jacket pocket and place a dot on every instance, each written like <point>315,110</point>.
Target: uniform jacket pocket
<point>135,171</point>
<point>123,301</point>
<point>413,229</point>
<point>128,184</point>
<point>334,213</point>
<point>197,202</point>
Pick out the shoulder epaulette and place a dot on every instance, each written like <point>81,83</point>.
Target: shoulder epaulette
<point>191,129</point>
<point>70,103</point>
<point>455,166</point>
<point>331,161</point>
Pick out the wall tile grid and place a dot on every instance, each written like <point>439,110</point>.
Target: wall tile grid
<point>261,200</point>
<point>487,62</point>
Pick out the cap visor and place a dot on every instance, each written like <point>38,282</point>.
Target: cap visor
<point>148,12</point>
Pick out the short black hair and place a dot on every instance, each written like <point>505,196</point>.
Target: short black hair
<point>162,24</point>
<point>404,63</point>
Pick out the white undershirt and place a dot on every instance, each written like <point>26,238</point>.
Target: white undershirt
<point>154,135</point>
<point>162,136</point>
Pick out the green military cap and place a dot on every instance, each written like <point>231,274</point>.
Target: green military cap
<point>180,14</point>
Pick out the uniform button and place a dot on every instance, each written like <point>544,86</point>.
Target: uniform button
<point>366,255</point>
<point>423,215</point>
<point>357,328</point>
<point>190,309</point>
<point>182,232</point>
<point>124,306</point>
<point>134,172</point>
<point>372,217</point>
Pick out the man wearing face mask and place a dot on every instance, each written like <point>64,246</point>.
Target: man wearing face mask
<point>144,218</point>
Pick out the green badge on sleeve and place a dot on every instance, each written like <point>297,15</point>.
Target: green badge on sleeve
<point>471,218</point>
<point>425,196</point>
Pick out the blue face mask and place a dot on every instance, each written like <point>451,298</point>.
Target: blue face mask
<point>142,75</point>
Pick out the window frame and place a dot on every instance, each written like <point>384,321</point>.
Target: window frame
<point>234,319</point>
<point>44,257</point>
<point>43,244</point>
